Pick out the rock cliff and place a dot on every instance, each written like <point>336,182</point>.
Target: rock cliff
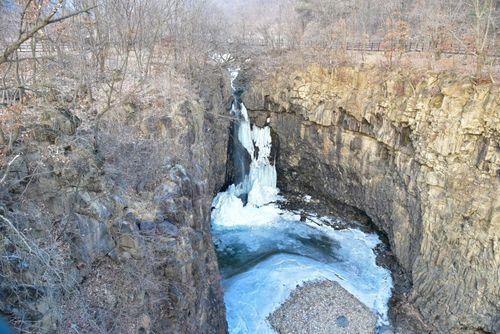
<point>106,217</point>
<point>420,154</point>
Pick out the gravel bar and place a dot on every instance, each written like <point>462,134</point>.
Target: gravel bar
<point>322,307</point>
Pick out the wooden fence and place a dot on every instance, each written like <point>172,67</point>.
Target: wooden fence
<point>9,96</point>
<point>27,48</point>
<point>367,46</point>
<point>371,46</point>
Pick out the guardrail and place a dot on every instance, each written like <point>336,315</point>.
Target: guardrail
<point>26,48</point>
<point>366,46</point>
<point>371,46</point>
<point>9,96</point>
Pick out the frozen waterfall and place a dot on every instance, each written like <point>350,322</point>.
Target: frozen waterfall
<point>260,183</point>
<point>265,251</point>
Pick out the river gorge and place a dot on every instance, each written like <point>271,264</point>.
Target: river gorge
<point>249,167</point>
<point>383,184</point>
<point>265,251</point>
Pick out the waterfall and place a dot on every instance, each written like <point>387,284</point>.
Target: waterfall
<point>257,186</point>
<point>266,251</point>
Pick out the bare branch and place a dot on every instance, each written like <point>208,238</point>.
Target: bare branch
<point>4,177</point>
<point>44,23</point>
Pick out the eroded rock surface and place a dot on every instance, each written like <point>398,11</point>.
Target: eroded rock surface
<point>420,153</point>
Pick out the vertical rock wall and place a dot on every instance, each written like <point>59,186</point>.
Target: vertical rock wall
<point>420,154</point>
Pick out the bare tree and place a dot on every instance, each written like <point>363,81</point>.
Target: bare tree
<point>484,30</point>
<point>395,39</point>
<point>33,19</point>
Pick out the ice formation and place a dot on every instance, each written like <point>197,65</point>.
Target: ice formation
<point>265,252</point>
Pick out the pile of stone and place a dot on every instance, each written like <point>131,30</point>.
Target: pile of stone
<point>322,307</point>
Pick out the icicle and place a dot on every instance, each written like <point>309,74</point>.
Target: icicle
<point>263,175</point>
<point>244,132</point>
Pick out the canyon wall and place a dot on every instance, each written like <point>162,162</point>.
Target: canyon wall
<point>110,216</point>
<point>420,154</point>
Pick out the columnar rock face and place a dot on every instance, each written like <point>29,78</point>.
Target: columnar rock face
<point>420,154</point>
